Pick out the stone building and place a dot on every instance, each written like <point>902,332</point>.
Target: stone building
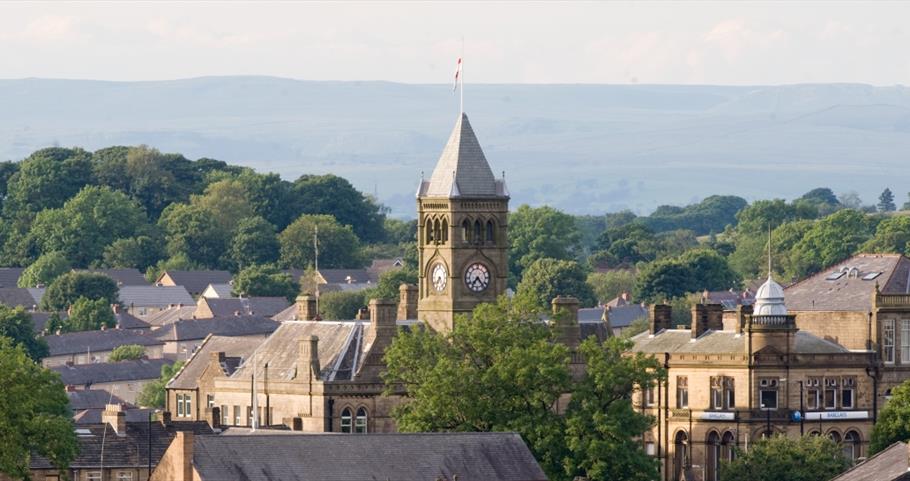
<point>729,385</point>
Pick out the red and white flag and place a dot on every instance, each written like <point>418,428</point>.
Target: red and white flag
<point>457,74</point>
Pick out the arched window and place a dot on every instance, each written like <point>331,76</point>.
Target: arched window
<point>834,436</point>
<point>445,231</point>
<point>436,233</point>
<point>712,456</point>
<point>429,228</point>
<point>491,234</point>
<point>851,446</point>
<point>478,232</point>
<point>360,424</point>
<point>727,443</point>
<point>466,231</point>
<point>814,433</point>
<point>680,455</point>
<point>346,420</point>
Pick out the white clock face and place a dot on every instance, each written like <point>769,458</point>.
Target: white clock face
<point>440,277</point>
<point>477,277</point>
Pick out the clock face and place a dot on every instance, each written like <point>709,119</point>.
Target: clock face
<point>477,277</point>
<point>439,277</point>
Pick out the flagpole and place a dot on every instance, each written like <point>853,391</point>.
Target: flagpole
<point>461,103</point>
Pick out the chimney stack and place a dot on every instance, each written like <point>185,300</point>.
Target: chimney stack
<point>115,416</point>
<point>565,317</point>
<point>383,327</point>
<point>407,301</point>
<point>706,317</point>
<point>306,307</point>
<point>184,443</point>
<point>308,368</point>
<point>660,317</point>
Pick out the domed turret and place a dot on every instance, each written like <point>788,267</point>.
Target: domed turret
<point>769,300</point>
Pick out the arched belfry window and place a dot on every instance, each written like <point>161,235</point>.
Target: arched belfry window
<point>478,232</point>
<point>466,231</point>
<point>346,420</point>
<point>444,233</point>
<point>491,231</point>
<point>360,423</point>
<point>429,228</point>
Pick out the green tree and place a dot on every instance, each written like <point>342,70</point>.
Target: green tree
<point>46,179</point>
<point>88,223</point>
<point>179,262</point>
<point>893,422</point>
<point>693,271</point>
<point>390,283</point>
<point>495,373</point>
<point>67,288</point>
<point>154,393</point>
<point>44,270</point>
<point>710,215</point>
<point>609,285</point>
<point>36,415</point>
<point>626,245</point>
<point>335,196</point>
<point>271,198</point>
<point>139,252</point>
<point>761,214</point>
<point>157,180</point>
<point>265,280</point>
<point>18,326</point>
<point>398,231</point>
<point>886,201</point>
<point>338,245</point>
<point>892,235</point>
<point>341,305</point>
<point>226,202</point>
<point>600,417</point>
<point>89,315</point>
<point>831,240</point>
<point>254,242</point>
<point>537,233</point>
<point>779,458</point>
<point>821,195</point>
<point>193,231</point>
<point>547,278</point>
<point>127,352</point>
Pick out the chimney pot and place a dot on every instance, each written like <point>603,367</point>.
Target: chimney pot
<point>306,308</point>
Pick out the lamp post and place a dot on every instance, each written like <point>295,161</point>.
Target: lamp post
<point>767,420</point>
<point>802,414</point>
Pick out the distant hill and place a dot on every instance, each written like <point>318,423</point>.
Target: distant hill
<point>582,148</point>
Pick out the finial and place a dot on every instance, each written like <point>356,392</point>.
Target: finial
<point>421,176</point>
<point>503,175</point>
<point>769,250</point>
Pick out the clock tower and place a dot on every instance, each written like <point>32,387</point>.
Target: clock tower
<point>462,232</point>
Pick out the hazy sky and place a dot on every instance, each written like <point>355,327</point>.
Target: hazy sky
<point>530,42</point>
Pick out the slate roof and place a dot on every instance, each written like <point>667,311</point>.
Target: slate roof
<point>722,342</point>
<point>401,457</point>
<point>102,372</point>
<point>196,281</point>
<point>40,319</point>
<point>622,316</point>
<point>220,290</point>
<point>155,296</point>
<point>259,306</point>
<point>9,276</point>
<point>125,320</point>
<point>170,315</point>
<point>193,329</point>
<point>95,341</point>
<point>92,399</point>
<point>347,276</point>
<point>37,293</point>
<point>93,416</point>
<point>339,356</point>
<point>235,348</point>
<point>123,277</point>
<point>822,292</point>
<point>462,169</point>
<point>130,450</point>
<point>17,296</point>
<point>888,465</point>
<point>287,314</point>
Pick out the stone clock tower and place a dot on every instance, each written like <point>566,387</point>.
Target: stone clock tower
<point>462,230</point>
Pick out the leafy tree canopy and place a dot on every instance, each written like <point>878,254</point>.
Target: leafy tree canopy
<point>127,352</point>
<point>710,215</point>
<point>67,288</point>
<point>254,242</point>
<point>693,271</point>
<point>265,280</point>
<point>339,247</point>
<point>547,278</point>
<point>153,393</point>
<point>831,240</point>
<point>779,458</point>
<point>892,235</point>
<point>192,231</point>
<point>44,270</point>
<point>537,233</point>
<point>886,201</point>
<point>340,304</point>
<point>89,315</point>
<point>36,415</point>
<point>137,252</point>
<point>335,196</point>
<point>17,326</point>
<point>821,195</point>
<point>389,284</point>
<point>47,178</point>
<point>609,285</point>
<point>893,422</point>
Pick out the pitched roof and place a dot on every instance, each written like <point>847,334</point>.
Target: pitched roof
<point>839,289</point>
<point>123,277</point>
<point>170,315</point>
<point>9,276</point>
<point>94,416</point>
<point>192,329</point>
<point>95,341</point>
<point>17,296</point>
<point>130,450</point>
<point>196,281</point>
<point>235,348</point>
<point>125,320</point>
<point>92,399</point>
<point>259,306</point>
<point>890,464</point>
<point>622,316</point>
<point>462,169</point>
<point>402,457</point>
<point>722,342</point>
<point>347,276</point>
<point>155,296</point>
<point>40,319</point>
<point>102,372</point>
<point>219,291</point>
<point>338,349</point>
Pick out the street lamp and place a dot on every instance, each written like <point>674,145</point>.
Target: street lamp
<point>768,420</point>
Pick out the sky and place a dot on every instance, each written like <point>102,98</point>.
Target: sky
<point>735,43</point>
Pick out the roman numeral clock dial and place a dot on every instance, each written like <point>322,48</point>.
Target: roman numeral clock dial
<point>477,277</point>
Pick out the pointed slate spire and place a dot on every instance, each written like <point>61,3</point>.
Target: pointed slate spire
<point>462,169</point>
